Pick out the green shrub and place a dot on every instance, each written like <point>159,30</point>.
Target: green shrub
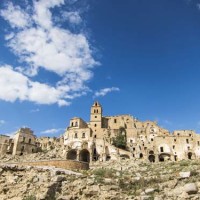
<point>30,197</point>
<point>120,140</point>
<point>105,173</point>
<point>194,173</point>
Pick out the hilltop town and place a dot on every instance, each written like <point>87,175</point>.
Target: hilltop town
<point>106,138</point>
<point>109,157</point>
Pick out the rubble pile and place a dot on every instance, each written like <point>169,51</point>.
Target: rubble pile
<point>123,179</point>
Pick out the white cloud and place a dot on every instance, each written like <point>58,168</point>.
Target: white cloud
<point>57,50</point>
<point>42,15</point>
<point>44,44</point>
<point>16,86</point>
<point>105,91</point>
<point>2,122</point>
<point>52,131</point>
<point>35,110</point>
<point>72,17</point>
<point>15,16</point>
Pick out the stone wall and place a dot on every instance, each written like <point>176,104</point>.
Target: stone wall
<point>4,141</point>
<point>65,164</point>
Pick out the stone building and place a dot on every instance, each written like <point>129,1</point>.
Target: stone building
<point>48,143</point>
<point>23,142</point>
<point>4,144</point>
<point>93,140</point>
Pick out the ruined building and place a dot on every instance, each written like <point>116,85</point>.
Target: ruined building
<point>108,137</point>
<point>23,142</point>
<point>93,140</point>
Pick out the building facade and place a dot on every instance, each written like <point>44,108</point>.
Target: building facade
<point>93,140</point>
<point>23,142</point>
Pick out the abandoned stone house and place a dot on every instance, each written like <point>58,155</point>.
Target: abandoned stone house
<point>23,142</point>
<point>93,140</point>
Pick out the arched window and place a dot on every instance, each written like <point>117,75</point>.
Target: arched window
<point>76,135</point>
<point>83,135</point>
<point>29,141</point>
<point>97,110</point>
<point>72,124</point>
<point>95,125</point>
<point>76,124</point>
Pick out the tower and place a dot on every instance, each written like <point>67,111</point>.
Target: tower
<point>96,116</point>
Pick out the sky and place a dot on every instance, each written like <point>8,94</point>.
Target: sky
<point>136,57</point>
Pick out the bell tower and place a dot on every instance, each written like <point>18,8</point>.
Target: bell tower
<point>96,116</point>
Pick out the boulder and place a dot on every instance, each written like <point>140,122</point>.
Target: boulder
<point>190,188</point>
<point>149,190</point>
<point>184,174</point>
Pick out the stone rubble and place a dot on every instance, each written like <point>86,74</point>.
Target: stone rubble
<point>115,180</point>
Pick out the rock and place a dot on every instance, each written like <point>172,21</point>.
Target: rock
<point>149,190</point>
<point>145,197</point>
<point>108,180</point>
<point>35,179</point>
<point>68,197</point>
<point>118,174</point>
<point>90,193</point>
<point>90,181</point>
<point>114,187</point>
<point>184,174</point>
<point>158,198</point>
<point>191,188</point>
<point>137,178</point>
<point>59,179</point>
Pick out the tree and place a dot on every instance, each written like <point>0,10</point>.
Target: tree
<point>120,140</point>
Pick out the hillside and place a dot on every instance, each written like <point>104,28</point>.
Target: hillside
<point>125,179</point>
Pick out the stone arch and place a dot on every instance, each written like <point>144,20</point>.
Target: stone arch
<point>189,155</point>
<point>95,155</point>
<point>22,151</point>
<point>84,155</point>
<point>72,154</point>
<point>151,152</point>
<point>107,153</point>
<point>164,156</point>
<point>124,156</point>
<point>151,158</point>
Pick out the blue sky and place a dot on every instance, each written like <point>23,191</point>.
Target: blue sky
<point>135,57</point>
